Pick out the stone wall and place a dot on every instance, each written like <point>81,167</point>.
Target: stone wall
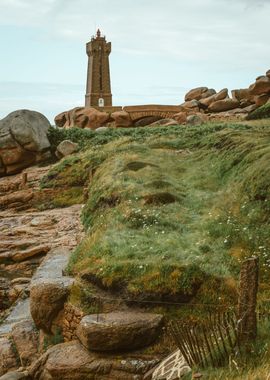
<point>71,320</point>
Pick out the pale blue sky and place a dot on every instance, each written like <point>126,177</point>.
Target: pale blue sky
<point>160,49</point>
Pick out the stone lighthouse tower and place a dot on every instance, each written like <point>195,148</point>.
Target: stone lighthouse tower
<point>98,86</point>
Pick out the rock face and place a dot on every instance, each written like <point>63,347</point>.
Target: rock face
<point>25,337</point>
<point>223,105</point>
<point>71,361</point>
<point>193,120</point>
<point>82,117</point>
<point>261,86</point>
<point>4,293</point>
<point>8,359</point>
<point>121,119</point>
<point>65,148</point>
<point>119,330</point>
<point>260,100</point>
<point>23,140</point>
<point>180,117</point>
<point>195,93</point>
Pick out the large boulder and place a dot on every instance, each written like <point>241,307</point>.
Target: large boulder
<point>208,93</point>
<point>119,330</point>
<point>195,93</point>
<point>268,73</point>
<point>65,148</point>
<point>261,86</point>
<point>23,140</point>
<point>49,289</point>
<point>243,95</point>
<point>260,100</point>
<point>71,361</point>
<point>47,299</point>
<point>188,106</point>
<point>195,120</point>
<point>121,119</point>
<point>223,105</point>
<point>222,94</point>
<point>82,117</point>
<point>180,117</point>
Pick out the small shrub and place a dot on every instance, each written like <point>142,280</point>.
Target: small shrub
<point>262,112</point>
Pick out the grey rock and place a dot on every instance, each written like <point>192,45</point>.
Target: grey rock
<point>71,361</point>
<point>193,120</point>
<point>119,330</point>
<point>65,148</point>
<point>23,139</point>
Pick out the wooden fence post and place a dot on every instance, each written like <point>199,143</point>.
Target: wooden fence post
<point>248,288</point>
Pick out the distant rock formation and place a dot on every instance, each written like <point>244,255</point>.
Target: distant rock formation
<point>82,117</point>
<point>200,101</point>
<point>220,106</point>
<point>23,140</point>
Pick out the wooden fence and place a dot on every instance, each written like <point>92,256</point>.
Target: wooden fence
<point>210,344</point>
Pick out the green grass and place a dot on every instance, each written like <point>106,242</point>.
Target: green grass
<point>262,112</point>
<point>171,212</point>
<point>251,365</point>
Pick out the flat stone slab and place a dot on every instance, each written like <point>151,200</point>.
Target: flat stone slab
<point>119,330</point>
<point>52,266</point>
<point>20,313</point>
<point>49,288</point>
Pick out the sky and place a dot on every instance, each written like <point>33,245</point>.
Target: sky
<point>160,49</point>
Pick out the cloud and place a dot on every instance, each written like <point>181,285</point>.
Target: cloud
<point>173,44</point>
<point>47,98</point>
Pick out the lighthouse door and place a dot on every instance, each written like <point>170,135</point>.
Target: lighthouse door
<point>101,102</point>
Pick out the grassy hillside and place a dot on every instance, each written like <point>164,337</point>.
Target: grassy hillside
<point>170,213</point>
<point>262,112</point>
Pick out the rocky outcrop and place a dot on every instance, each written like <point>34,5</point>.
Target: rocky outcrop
<point>82,117</point>
<point>195,93</point>
<point>65,148</point>
<point>261,86</point>
<point>243,101</point>
<point>8,358</point>
<point>26,340</point>
<point>119,330</point>
<point>16,198</point>
<point>71,361</point>
<point>223,105</point>
<point>5,285</point>
<point>23,140</point>
<point>180,117</point>
<point>193,120</point>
